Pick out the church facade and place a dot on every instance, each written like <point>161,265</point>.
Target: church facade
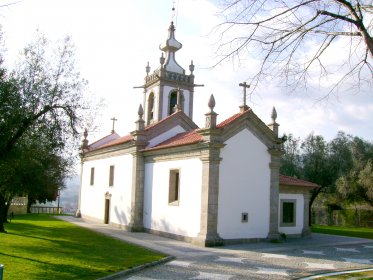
<point>212,185</point>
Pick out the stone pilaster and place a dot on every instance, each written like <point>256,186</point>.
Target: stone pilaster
<point>78,212</point>
<point>137,192</point>
<point>208,235</point>
<point>306,229</point>
<point>138,175</point>
<point>274,193</point>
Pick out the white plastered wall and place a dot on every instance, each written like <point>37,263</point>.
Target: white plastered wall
<point>244,183</point>
<point>164,136</point>
<point>299,212</point>
<point>93,197</point>
<point>166,92</point>
<point>183,219</point>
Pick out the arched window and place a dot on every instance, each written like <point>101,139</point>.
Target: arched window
<point>150,108</point>
<point>173,101</point>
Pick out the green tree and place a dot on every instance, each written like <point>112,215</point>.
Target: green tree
<point>356,185</point>
<point>315,163</point>
<point>42,109</point>
<point>291,160</point>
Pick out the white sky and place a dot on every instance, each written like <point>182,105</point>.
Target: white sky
<point>115,39</point>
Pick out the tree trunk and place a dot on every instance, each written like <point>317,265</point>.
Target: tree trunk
<point>315,193</point>
<point>2,213</point>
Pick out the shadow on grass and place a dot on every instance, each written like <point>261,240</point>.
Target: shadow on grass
<point>66,251</point>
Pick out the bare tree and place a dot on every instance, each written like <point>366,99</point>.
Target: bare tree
<point>297,39</point>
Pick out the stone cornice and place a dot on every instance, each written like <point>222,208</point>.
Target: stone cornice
<point>117,150</point>
<point>174,153</point>
<point>168,76</point>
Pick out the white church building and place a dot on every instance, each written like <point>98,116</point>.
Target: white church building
<point>212,185</point>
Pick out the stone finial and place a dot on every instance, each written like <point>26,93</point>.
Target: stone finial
<point>147,68</point>
<point>140,112</point>
<point>140,123</point>
<point>84,145</point>
<point>274,125</point>
<point>211,116</point>
<point>274,114</point>
<point>162,60</point>
<point>191,67</point>
<point>211,103</point>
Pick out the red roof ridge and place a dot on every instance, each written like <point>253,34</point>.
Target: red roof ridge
<point>180,139</point>
<point>103,138</point>
<point>232,118</point>
<point>292,181</point>
<point>121,140</point>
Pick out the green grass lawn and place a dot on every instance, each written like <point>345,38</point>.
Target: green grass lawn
<point>41,247</point>
<point>345,231</point>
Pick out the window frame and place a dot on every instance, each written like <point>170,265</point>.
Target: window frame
<point>111,175</point>
<point>174,187</point>
<point>294,222</point>
<point>92,177</point>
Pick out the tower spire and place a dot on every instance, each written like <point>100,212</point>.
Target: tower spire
<point>170,47</point>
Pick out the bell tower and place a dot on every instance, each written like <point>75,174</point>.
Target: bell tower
<point>168,88</point>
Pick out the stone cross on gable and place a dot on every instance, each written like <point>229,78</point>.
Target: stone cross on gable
<point>114,120</point>
<point>245,86</point>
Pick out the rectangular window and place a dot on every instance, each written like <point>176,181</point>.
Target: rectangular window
<point>111,176</point>
<point>174,187</point>
<point>288,213</point>
<point>244,217</point>
<point>92,181</point>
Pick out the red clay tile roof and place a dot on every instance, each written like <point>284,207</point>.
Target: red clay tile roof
<point>104,140</point>
<point>184,138</point>
<point>118,141</point>
<point>231,119</point>
<point>291,181</point>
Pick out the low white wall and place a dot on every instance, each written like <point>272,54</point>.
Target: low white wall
<point>93,197</point>
<point>183,219</point>
<point>244,187</point>
<point>297,229</point>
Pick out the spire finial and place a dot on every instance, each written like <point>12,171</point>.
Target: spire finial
<point>211,103</point>
<point>147,69</point>
<point>191,67</point>
<point>274,114</point>
<point>140,123</point>
<point>173,10</point>
<point>162,60</point>
<point>114,120</point>
<point>274,125</point>
<point>140,112</point>
<point>211,116</point>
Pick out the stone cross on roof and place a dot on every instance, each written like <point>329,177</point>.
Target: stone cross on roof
<point>114,120</point>
<point>245,86</point>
